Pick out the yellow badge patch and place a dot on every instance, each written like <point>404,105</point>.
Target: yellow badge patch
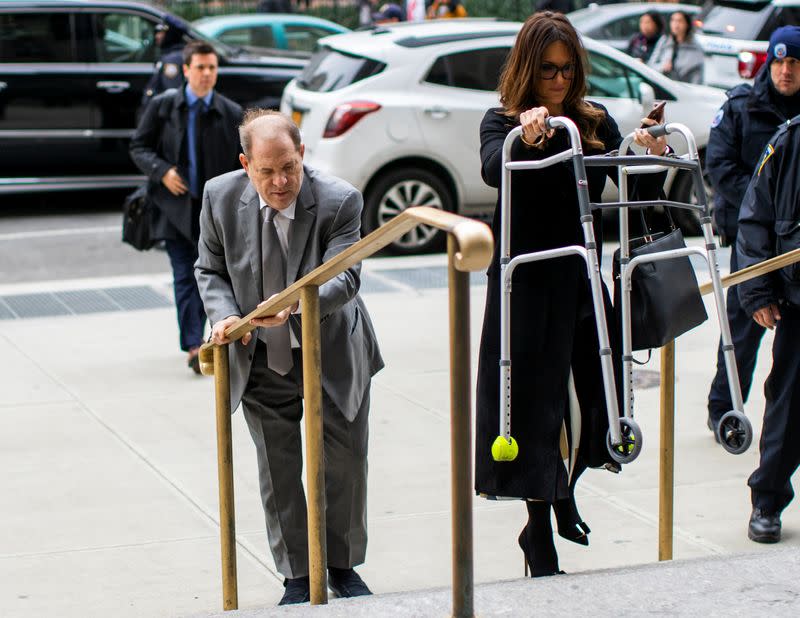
<point>767,154</point>
<point>170,70</point>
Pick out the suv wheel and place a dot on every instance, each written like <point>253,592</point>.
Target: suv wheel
<point>403,188</point>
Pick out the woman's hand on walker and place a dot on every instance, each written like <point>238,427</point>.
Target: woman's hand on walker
<point>654,145</point>
<point>533,125</point>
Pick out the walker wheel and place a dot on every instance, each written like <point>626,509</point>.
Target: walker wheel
<point>735,432</point>
<point>631,444</point>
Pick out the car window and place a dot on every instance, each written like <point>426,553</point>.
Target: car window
<point>477,69</point>
<point>260,36</point>
<point>303,38</point>
<point>124,37</point>
<point>35,37</point>
<point>741,22</point>
<point>623,28</point>
<point>782,16</point>
<point>329,70</point>
<point>608,78</point>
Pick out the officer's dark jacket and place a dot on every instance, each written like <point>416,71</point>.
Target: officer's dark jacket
<point>160,142</point>
<point>749,119</point>
<point>167,73</point>
<point>769,221</point>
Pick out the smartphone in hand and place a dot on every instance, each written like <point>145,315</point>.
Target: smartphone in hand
<point>657,113</point>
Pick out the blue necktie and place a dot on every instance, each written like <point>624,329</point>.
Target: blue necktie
<point>194,177</point>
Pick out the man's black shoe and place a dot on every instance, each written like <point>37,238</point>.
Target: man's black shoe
<point>297,591</point>
<point>346,583</point>
<point>764,527</point>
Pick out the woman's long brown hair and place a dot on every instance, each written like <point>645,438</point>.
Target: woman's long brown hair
<point>524,65</point>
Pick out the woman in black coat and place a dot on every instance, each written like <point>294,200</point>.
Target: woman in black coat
<point>553,337</point>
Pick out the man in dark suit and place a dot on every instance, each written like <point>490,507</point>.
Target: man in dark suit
<point>186,136</point>
<point>261,229</point>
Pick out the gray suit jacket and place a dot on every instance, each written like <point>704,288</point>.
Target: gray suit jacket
<point>228,271</point>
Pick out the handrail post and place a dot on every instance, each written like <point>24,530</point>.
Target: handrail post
<point>666,477</point>
<point>315,454</point>
<point>460,436</point>
<point>227,517</point>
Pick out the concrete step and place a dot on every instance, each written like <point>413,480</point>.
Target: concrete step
<point>766,583</point>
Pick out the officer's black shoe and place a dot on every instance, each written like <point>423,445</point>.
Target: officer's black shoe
<point>297,591</point>
<point>346,583</point>
<point>764,527</point>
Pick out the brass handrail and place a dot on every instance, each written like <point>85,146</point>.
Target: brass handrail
<point>469,248</point>
<point>667,438</point>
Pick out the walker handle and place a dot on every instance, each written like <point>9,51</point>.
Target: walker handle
<point>658,130</point>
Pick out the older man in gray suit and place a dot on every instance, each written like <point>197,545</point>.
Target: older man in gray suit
<point>261,229</point>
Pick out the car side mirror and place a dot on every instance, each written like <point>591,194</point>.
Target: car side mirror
<point>647,96</point>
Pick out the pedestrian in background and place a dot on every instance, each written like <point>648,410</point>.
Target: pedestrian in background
<point>185,137</point>
<point>388,14</point>
<point>739,133</point>
<point>677,55</point>
<point>557,6</point>
<point>446,9</point>
<point>642,44</point>
<point>768,226</point>
<point>262,228</point>
<point>557,390</point>
<point>167,73</point>
<point>274,6</point>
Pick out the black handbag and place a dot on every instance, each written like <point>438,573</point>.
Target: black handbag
<point>137,219</point>
<point>665,298</point>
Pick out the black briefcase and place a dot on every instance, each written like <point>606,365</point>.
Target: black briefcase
<point>137,220</point>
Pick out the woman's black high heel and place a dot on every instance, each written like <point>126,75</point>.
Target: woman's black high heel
<point>569,522</point>
<point>536,542</point>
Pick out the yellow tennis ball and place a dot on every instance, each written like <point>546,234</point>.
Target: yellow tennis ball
<point>504,450</point>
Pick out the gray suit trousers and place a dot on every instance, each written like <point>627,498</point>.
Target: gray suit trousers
<point>273,409</point>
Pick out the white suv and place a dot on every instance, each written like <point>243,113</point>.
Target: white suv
<point>735,36</point>
<point>396,111</point>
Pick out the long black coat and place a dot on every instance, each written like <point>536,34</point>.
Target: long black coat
<point>552,327</point>
<point>160,143</point>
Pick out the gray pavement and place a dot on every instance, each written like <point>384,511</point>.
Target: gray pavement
<point>107,449</point>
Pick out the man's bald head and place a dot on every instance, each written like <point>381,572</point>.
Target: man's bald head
<point>267,125</point>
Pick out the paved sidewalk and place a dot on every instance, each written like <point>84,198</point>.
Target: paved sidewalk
<point>107,452</point>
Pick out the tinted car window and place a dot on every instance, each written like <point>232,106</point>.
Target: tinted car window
<point>330,70</point>
<point>608,79</point>
<point>475,69</point>
<point>736,22</point>
<point>621,28</point>
<point>123,37</point>
<point>303,38</point>
<point>239,37</point>
<point>28,37</point>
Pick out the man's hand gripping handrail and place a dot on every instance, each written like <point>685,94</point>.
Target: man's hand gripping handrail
<point>475,247</point>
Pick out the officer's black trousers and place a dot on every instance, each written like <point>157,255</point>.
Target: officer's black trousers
<point>746,335</point>
<point>770,484</point>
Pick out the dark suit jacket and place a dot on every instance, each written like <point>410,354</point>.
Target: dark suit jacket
<point>160,143</point>
<point>228,271</point>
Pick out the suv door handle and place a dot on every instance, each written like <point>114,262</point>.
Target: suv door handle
<point>437,112</point>
<point>114,87</point>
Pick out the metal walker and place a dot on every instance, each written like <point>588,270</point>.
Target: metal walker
<point>624,439</point>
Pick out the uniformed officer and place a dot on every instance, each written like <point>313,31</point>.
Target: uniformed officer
<point>739,133</point>
<point>167,71</point>
<point>768,226</point>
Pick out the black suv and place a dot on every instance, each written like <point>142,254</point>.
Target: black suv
<point>71,79</point>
